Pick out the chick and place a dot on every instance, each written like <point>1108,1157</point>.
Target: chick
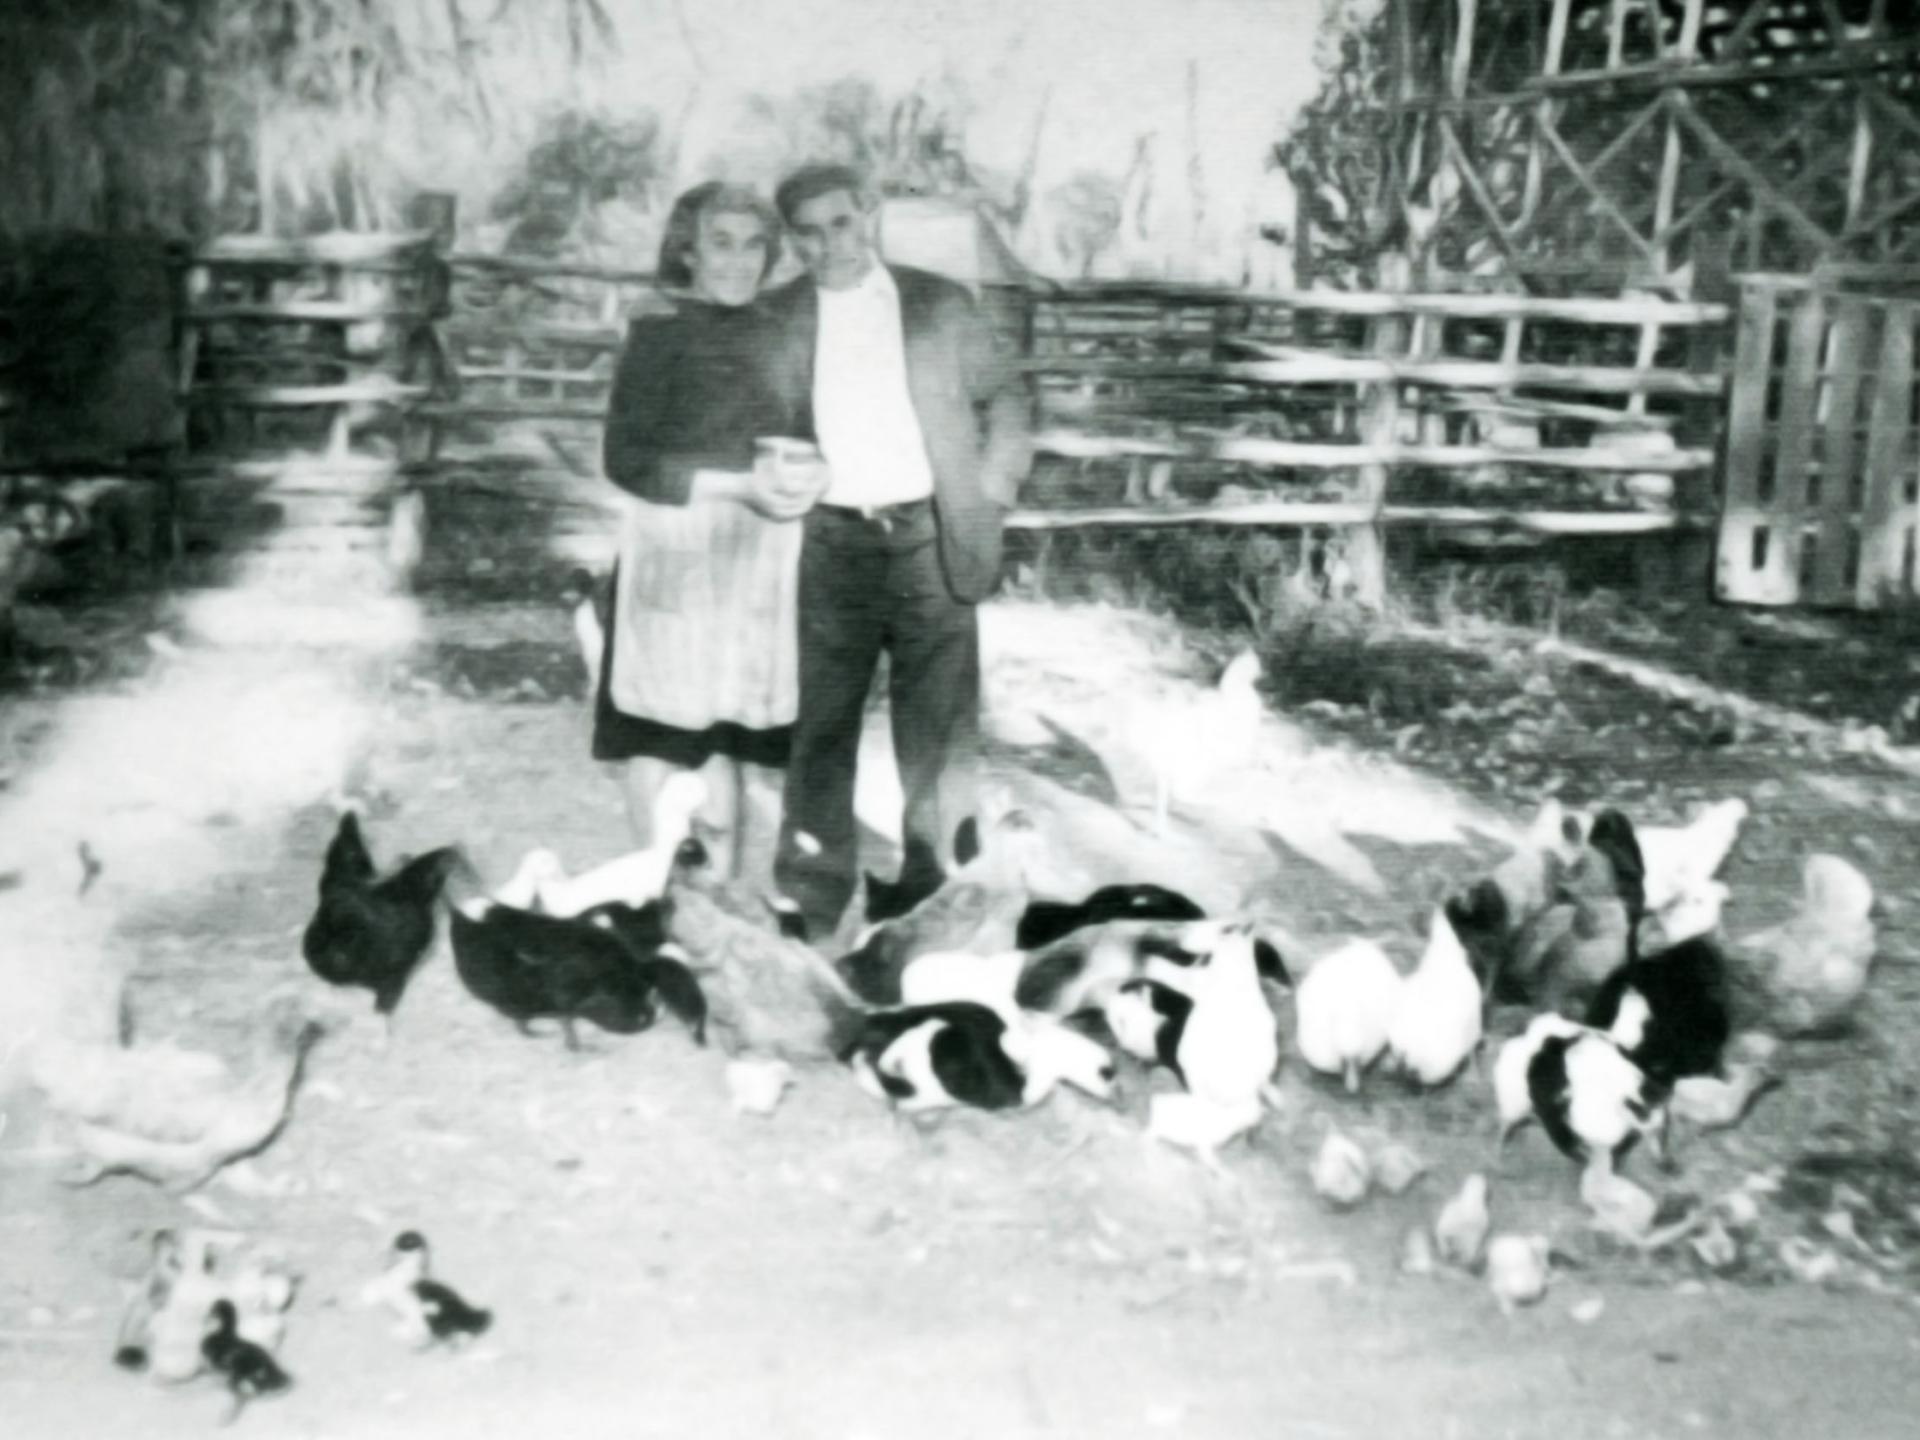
<point>1518,1269</point>
<point>1341,1172</point>
<point>1436,1025</point>
<point>1620,1207</point>
<point>1344,1009</point>
<point>754,1087</point>
<point>170,1115</point>
<point>1713,1102</point>
<point>426,1311</point>
<point>250,1372</point>
<point>1681,858</point>
<point>1814,967</point>
<point>1460,1229</point>
<point>1396,1167</point>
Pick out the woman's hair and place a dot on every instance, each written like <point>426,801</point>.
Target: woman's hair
<point>715,197</point>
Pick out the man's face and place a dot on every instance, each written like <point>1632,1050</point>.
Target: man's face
<point>834,238</point>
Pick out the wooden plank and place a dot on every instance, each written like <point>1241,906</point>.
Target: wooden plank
<point>1765,193</point>
<point>1887,517</point>
<point>1317,368</point>
<point>1595,193</point>
<point>1748,436</point>
<point>1637,311</point>
<point>1379,425</point>
<point>1308,455</point>
<point>1832,510</point>
<point>1799,393</point>
<point>516,266</point>
<point>371,390</point>
<point>1291,513</point>
<point>304,312</point>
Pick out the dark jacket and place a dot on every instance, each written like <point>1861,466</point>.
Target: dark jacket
<point>968,396</point>
<point>691,391</point>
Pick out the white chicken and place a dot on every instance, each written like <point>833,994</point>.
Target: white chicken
<point>1344,1008</point>
<point>1814,968</point>
<point>1229,1045</point>
<point>1679,858</point>
<point>1436,1026</point>
<point>1189,741</point>
<point>641,875</point>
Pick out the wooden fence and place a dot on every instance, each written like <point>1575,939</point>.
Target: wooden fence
<point>1822,475</point>
<point>1341,412</point>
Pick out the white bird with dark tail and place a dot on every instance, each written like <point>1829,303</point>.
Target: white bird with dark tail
<point>639,876</point>
<point>1344,1008</point>
<point>1228,1044</point>
<point>1436,1027</point>
<point>1592,1101</point>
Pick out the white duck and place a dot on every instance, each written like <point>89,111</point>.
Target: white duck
<point>641,875</point>
<point>1437,1025</point>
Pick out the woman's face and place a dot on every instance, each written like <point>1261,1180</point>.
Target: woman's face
<point>729,257</point>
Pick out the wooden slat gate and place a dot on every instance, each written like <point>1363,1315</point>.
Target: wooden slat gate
<point>1822,468</point>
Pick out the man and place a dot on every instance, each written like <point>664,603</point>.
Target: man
<point>924,430</point>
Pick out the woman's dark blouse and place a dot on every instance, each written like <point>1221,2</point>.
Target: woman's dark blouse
<point>692,391</point>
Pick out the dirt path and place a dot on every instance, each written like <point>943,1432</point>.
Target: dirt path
<point>659,1266</point>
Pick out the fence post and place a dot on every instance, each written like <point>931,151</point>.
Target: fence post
<point>1379,423</point>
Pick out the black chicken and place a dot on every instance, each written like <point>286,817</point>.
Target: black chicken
<point>369,932</point>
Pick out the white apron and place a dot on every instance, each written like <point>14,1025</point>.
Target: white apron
<point>705,616</point>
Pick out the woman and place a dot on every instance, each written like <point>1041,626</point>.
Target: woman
<point>700,670</point>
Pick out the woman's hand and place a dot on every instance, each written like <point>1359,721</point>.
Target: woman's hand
<point>785,490</point>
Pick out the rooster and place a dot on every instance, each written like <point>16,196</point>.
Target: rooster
<point>368,932</point>
<point>170,1115</point>
<point>765,993</point>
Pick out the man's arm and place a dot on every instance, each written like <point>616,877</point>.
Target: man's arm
<point>999,394</point>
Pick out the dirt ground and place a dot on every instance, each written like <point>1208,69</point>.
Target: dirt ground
<point>659,1266</point>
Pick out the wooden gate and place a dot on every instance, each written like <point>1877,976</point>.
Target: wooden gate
<point>1822,468</point>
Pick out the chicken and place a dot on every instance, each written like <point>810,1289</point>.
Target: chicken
<point>1492,912</point>
<point>1680,858</point>
<point>1344,1008</point>
<point>170,1115</point>
<point>1590,1098</point>
<point>1561,956</point>
<point>1190,740</point>
<point>1460,1229</point>
<point>1082,970</point>
<point>636,877</point>
<point>1693,913</point>
<point>930,1057</point>
<point>977,909</point>
<point>1228,1044</point>
<point>1669,1013</point>
<point>1149,1021</point>
<point>1045,921</point>
<point>1518,1269</point>
<point>372,933</point>
<point>1513,1100</point>
<point>530,966</point>
<point>1436,1025</point>
<point>961,975</point>
<point>1813,968</point>
<point>765,993</point>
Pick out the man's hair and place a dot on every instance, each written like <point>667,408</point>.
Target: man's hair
<point>682,234</point>
<point>810,182</point>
